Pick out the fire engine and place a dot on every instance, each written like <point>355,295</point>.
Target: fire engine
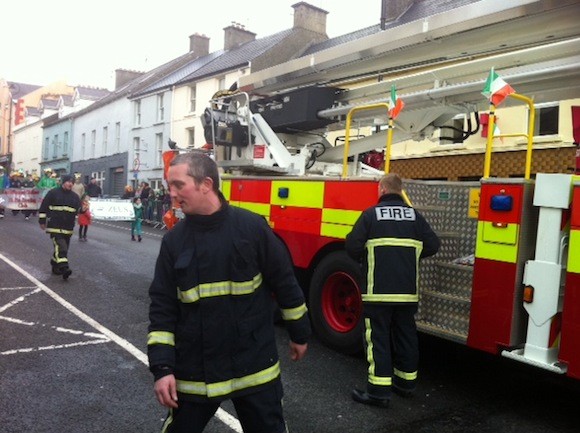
<point>507,278</point>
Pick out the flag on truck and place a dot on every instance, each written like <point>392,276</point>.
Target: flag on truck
<point>496,89</point>
<point>396,104</point>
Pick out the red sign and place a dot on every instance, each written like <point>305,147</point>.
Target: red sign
<point>259,151</point>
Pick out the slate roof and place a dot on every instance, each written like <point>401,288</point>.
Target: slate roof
<point>179,74</point>
<point>418,10</point>
<point>91,93</point>
<point>238,57</point>
<point>18,90</point>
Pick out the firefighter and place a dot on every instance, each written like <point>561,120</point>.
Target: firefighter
<point>390,238</point>
<point>57,217</point>
<point>211,335</point>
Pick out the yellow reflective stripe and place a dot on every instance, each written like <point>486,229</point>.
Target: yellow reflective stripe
<point>259,208</point>
<point>222,288</point>
<point>63,209</point>
<point>404,375</point>
<point>414,297</point>
<point>226,189</point>
<point>41,215</point>
<point>574,252</point>
<point>229,386</point>
<point>161,337</point>
<point>371,244</point>
<point>60,231</point>
<point>492,250</point>
<point>56,254</point>
<point>300,193</point>
<point>294,313</point>
<point>372,378</point>
<point>168,421</point>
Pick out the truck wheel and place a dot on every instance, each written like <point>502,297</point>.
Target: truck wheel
<point>335,303</point>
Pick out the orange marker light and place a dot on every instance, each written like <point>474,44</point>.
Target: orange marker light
<point>528,294</point>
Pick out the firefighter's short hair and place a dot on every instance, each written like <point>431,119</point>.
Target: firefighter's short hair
<point>200,166</point>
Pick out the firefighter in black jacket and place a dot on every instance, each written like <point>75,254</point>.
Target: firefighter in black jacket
<point>390,238</point>
<point>56,216</point>
<point>211,334</point>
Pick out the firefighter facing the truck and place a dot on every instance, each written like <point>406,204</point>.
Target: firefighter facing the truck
<point>390,238</point>
<point>211,334</point>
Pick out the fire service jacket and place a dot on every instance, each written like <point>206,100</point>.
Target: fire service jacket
<point>390,238</point>
<point>58,211</point>
<point>211,315</point>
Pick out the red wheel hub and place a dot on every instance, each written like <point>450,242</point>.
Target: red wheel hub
<point>341,302</point>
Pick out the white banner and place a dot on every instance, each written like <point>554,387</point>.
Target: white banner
<point>21,199</point>
<point>112,209</point>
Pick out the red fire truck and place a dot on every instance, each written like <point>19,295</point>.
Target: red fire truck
<point>507,279</point>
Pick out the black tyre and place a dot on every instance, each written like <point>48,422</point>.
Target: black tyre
<point>335,303</point>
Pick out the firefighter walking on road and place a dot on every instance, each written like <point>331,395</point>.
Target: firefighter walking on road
<point>211,334</point>
<point>57,217</point>
<point>390,238</point>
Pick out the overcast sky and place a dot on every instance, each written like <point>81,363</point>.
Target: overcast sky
<point>84,41</point>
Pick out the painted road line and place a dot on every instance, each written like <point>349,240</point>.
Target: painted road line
<point>221,414</point>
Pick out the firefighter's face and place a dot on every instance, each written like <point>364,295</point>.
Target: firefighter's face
<point>192,197</point>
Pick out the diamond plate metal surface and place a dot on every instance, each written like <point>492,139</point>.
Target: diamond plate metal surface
<point>445,284</point>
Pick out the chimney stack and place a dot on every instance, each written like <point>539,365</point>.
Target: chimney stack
<point>309,17</point>
<point>236,35</point>
<point>123,76</point>
<point>199,44</point>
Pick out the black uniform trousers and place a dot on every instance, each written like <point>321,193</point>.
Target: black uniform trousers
<point>260,412</point>
<point>59,259</point>
<point>392,348</point>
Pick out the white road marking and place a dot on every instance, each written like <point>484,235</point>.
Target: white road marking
<point>221,414</point>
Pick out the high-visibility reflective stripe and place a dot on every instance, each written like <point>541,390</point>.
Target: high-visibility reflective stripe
<point>404,375</point>
<point>492,247</point>
<point>294,313</point>
<point>63,209</point>
<point>413,297</point>
<point>59,231</point>
<point>168,421</point>
<point>372,377</point>
<point>41,215</point>
<point>300,193</point>
<point>574,252</point>
<point>161,337</point>
<point>56,257</point>
<point>259,208</point>
<point>229,386</point>
<point>390,242</point>
<point>221,288</point>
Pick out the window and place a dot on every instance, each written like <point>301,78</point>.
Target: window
<point>93,142</point>
<point>46,148</point>
<point>65,144</point>
<point>100,177</point>
<point>83,146</point>
<point>137,107</point>
<point>547,117</point>
<point>105,139</point>
<point>117,137</point>
<point>160,108</point>
<point>136,149</point>
<point>191,136</point>
<point>192,98</point>
<point>158,150</point>
<point>54,146</point>
<point>222,83</point>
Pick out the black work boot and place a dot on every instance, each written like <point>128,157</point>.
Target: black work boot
<point>364,398</point>
<point>66,273</point>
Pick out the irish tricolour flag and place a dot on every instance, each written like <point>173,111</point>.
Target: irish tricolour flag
<point>396,104</point>
<point>496,89</point>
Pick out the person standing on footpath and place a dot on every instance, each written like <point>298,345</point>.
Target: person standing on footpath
<point>56,217</point>
<point>93,189</point>
<point>136,224</point>
<point>79,186</point>
<point>211,333</point>
<point>85,219</point>
<point>390,238</point>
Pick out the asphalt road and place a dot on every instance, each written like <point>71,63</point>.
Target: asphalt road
<point>72,358</point>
